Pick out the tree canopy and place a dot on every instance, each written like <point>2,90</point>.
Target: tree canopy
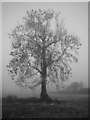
<point>36,46</point>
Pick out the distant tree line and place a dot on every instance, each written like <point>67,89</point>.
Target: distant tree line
<point>77,87</point>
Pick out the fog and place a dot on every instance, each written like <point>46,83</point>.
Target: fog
<point>76,21</point>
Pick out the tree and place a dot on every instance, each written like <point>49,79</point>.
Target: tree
<point>75,86</point>
<point>41,55</point>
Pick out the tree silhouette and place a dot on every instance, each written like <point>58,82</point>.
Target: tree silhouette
<point>75,86</point>
<point>41,55</point>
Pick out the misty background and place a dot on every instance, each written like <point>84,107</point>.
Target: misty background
<point>76,22</point>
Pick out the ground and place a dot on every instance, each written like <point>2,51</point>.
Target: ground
<point>68,107</point>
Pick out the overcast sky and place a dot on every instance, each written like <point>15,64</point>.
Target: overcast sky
<point>76,21</point>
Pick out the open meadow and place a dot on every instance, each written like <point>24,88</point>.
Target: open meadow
<point>66,106</point>
<point>0,108</point>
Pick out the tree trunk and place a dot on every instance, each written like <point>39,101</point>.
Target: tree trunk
<point>44,96</point>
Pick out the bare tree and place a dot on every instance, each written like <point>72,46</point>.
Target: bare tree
<point>41,55</point>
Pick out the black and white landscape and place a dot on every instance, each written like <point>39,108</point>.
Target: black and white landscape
<point>45,60</point>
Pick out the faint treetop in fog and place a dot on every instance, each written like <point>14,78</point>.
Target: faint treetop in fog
<point>75,86</point>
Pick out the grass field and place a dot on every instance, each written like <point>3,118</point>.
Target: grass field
<point>0,108</point>
<point>0,111</point>
<point>67,107</point>
<point>69,96</point>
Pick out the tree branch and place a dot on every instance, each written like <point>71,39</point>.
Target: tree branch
<point>33,39</point>
<point>35,68</point>
<point>52,43</point>
<point>57,58</point>
<point>35,85</point>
